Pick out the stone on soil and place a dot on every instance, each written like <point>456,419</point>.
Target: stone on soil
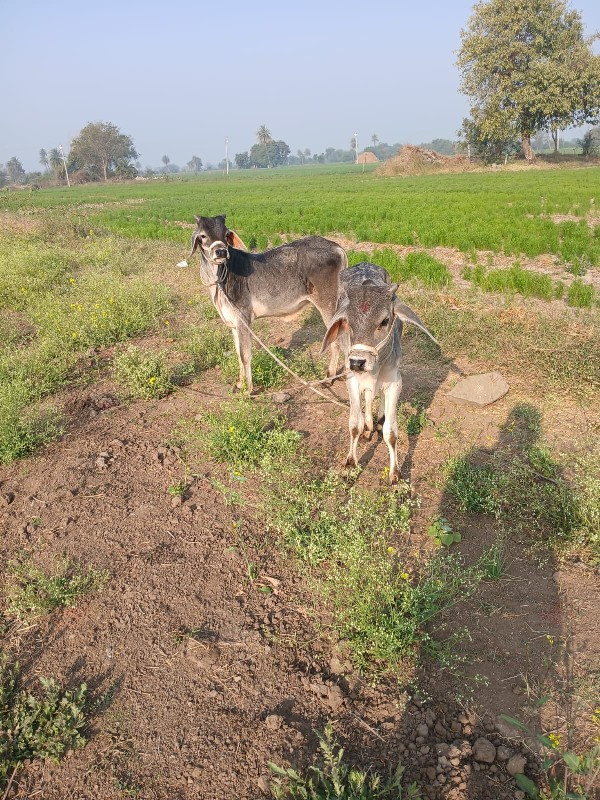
<point>480,389</point>
<point>484,751</point>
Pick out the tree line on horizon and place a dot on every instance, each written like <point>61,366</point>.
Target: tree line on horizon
<point>526,66</point>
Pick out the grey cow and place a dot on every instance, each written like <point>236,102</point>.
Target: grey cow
<point>368,326</point>
<point>246,286</point>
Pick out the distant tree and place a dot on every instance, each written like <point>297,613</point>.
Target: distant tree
<point>263,135</point>
<point>374,139</point>
<point>300,154</point>
<point>125,170</point>
<point>353,143</point>
<point>590,142</point>
<point>99,147</point>
<point>443,146</point>
<point>243,160</point>
<point>44,159</point>
<point>3,176</point>
<point>166,161</point>
<point>489,149</point>
<point>56,162</point>
<point>541,141</point>
<point>307,152</point>
<point>194,164</point>
<point>273,154</point>
<point>526,66</point>
<point>15,170</point>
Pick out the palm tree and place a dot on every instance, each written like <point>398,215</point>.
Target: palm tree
<point>56,162</point>
<point>263,134</point>
<point>375,139</point>
<point>44,159</point>
<point>166,161</point>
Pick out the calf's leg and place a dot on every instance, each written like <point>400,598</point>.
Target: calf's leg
<point>356,422</point>
<point>369,413</point>
<point>390,426</point>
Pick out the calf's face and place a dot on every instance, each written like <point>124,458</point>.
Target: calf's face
<point>214,238</point>
<point>366,319</point>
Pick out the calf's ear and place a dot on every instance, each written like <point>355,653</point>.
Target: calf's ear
<point>234,240</point>
<point>338,326</point>
<point>406,314</point>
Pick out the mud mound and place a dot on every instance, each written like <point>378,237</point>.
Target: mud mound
<point>412,160</point>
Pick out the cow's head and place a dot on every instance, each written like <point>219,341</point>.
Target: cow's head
<point>214,238</point>
<point>366,316</point>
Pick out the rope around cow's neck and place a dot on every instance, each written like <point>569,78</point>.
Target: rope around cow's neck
<point>219,284</point>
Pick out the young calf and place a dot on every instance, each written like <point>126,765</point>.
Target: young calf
<point>368,325</point>
<point>246,286</point>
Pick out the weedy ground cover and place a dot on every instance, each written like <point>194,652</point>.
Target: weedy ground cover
<point>33,592</point>
<point>41,725</point>
<point>337,779</point>
<point>61,295</point>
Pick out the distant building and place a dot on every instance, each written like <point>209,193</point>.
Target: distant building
<point>367,158</point>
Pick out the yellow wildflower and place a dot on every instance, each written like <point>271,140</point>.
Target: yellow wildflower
<point>391,550</point>
<point>151,380</point>
<point>550,639</point>
<point>555,739</point>
<point>404,576</point>
<point>231,429</point>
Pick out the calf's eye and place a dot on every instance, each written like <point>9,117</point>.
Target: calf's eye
<point>385,323</point>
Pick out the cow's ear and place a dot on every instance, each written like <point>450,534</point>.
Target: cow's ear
<point>234,240</point>
<point>406,314</point>
<point>339,325</point>
<point>198,219</point>
<point>195,243</point>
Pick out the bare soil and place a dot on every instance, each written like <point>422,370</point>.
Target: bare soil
<point>199,715</point>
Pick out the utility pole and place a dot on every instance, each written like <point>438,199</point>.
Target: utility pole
<point>356,146</point>
<point>226,156</point>
<point>60,147</point>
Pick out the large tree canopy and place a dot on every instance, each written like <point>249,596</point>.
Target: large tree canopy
<point>527,66</point>
<point>102,148</point>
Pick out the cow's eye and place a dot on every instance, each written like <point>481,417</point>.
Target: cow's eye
<point>385,323</point>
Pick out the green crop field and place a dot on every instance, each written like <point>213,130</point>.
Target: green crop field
<point>506,212</point>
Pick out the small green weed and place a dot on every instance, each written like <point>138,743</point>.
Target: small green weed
<point>442,533</point>
<point>37,726</point>
<point>245,434</point>
<point>413,422</point>
<point>33,592</point>
<point>568,775</point>
<point>492,562</point>
<point>336,779</point>
<point>208,345</point>
<point>473,487</point>
<point>143,374</point>
<point>177,489</point>
<point>514,279</point>
<point>580,294</point>
<point>22,429</point>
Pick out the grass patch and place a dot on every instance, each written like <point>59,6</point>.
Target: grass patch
<point>418,266</point>
<point>513,280</point>
<point>245,434</point>
<point>143,374</point>
<point>33,592</point>
<point>43,725</point>
<point>580,294</point>
<point>382,608</point>
<point>492,562</point>
<point>24,429</point>
<point>474,488</point>
<point>337,779</point>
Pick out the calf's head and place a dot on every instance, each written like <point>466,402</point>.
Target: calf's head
<point>365,320</point>
<point>213,238</point>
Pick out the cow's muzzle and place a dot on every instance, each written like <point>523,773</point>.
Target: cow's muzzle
<point>218,252</point>
<point>357,364</point>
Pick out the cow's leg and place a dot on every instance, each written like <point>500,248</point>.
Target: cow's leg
<point>326,309</point>
<point>369,413</point>
<point>356,423</point>
<point>334,357</point>
<point>243,347</point>
<point>390,426</point>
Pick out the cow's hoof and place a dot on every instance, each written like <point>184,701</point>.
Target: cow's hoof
<point>350,463</point>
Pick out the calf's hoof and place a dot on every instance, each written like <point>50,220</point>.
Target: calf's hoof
<point>394,477</point>
<point>367,435</point>
<point>350,463</point>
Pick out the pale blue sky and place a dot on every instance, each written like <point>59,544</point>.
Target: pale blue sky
<point>179,76</point>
